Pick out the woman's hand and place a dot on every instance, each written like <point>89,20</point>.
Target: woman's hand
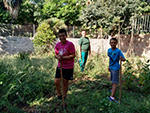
<point>59,57</point>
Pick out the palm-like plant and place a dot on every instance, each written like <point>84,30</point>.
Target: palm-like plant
<point>12,7</point>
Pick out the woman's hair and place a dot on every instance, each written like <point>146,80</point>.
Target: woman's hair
<point>62,31</point>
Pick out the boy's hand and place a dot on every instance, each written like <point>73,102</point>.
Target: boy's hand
<point>108,69</point>
<point>122,59</point>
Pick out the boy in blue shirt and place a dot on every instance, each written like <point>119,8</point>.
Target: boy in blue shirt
<point>114,55</point>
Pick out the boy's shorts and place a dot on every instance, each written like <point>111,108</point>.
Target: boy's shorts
<point>67,73</point>
<point>114,76</point>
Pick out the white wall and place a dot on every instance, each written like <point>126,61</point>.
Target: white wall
<point>97,45</point>
<point>13,45</point>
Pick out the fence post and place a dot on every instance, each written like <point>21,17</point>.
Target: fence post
<point>33,30</point>
<point>149,25</point>
<point>73,31</point>
<point>140,23</point>
<point>12,30</point>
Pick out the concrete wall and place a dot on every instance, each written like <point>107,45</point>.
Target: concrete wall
<point>19,30</point>
<point>97,45</point>
<point>13,45</point>
<point>141,44</point>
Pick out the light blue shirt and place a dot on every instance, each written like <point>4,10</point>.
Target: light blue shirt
<point>114,58</point>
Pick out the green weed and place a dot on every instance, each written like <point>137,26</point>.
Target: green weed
<point>27,85</point>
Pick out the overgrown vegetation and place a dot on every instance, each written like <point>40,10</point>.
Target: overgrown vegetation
<point>137,76</point>
<point>107,15</point>
<point>4,19</point>
<point>27,85</point>
<point>47,33</point>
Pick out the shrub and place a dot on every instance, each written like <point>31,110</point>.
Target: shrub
<point>55,24</point>
<point>45,35</point>
<point>137,75</point>
<point>47,32</point>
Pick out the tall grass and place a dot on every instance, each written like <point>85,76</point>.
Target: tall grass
<point>27,79</point>
<point>27,85</point>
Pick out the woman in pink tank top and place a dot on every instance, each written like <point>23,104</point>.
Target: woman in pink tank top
<point>64,52</point>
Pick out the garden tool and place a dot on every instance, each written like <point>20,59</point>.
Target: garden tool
<point>120,81</point>
<point>62,84</point>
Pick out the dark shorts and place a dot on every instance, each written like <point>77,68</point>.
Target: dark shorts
<point>67,73</point>
<point>114,76</point>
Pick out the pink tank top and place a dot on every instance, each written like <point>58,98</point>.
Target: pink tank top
<point>65,49</point>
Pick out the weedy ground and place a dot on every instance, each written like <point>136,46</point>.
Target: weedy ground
<point>27,86</point>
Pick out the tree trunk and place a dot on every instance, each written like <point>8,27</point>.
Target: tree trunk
<point>11,10</point>
<point>119,45</point>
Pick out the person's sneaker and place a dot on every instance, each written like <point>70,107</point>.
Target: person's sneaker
<point>109,90</point>
<point>112,99</point>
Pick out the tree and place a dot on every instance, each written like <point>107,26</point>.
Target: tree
<point>69,12</point>
<point>64,9</point>
<point>47,33</point>
<point>2,5</point>
<point>4,16</point>
<point>4,19</point>
<point>144,7</point>
<point>109,14</point>
<point>12,7</point>
<point>50,9</point>
<point>25,11</point>
<point>30,12</point>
